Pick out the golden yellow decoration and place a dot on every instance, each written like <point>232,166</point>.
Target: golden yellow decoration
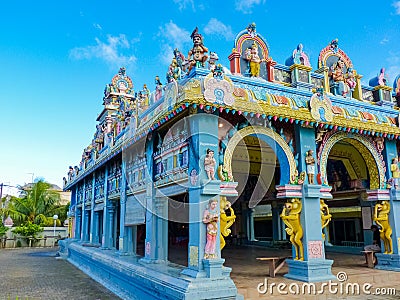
<point>291,217</point>
<point>258,130</point>
<point>381,218</point>
<point>320,102</point>
<point>366,149</point>
<point>325,216</point>
<point>225,221</point>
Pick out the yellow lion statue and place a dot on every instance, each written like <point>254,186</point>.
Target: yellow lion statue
<point>381,218</point>
<point>291,217</point>
<point>225,221</point>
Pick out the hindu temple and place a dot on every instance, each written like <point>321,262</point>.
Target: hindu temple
<point>257,152</point>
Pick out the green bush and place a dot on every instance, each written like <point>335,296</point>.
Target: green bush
<point>19,244</point>
<point>3,230</point>
<point>28,229</point>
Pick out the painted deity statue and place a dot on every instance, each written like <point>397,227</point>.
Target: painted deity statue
<point>381,218</point>
<point>212,61</point>
<point>159,86</point>
<point>209,164</point>
<point>252,56</point>
<point>197,55</point>
<point>394,168</point>
<point>350,80</point>
<point>310,162</point>
<point>180,59</point>
<point>336,73</point>
<point>226,221</point>
<point>325,215</point>
<point>382,77</point>
<point>210,218</point>
<point>299,57</point>
<point>174,71</point>
<point>291,217</point>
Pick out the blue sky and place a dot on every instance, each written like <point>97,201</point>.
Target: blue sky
<point>57,56</point>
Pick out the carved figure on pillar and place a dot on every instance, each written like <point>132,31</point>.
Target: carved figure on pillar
<point>226,221</point>
<point>210,218</point>
<point>394,168</point>
<point>325,216</point>
<point>196,55</point>
<point>381,218</point>
<point>291,217</point>
<point>310,162</point>
<point>209,164</point>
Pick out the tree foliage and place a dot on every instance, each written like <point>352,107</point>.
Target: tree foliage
<point>37,204</point>
<point>3,230</point>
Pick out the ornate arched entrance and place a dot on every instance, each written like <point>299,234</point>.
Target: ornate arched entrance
<point>375,165</point>
<point>274,140</point>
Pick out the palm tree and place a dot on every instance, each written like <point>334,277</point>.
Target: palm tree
<point>37,204</point>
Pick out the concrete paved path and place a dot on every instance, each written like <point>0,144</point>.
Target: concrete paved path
<point>35,273</point>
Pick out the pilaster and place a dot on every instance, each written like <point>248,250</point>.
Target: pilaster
<point>123,232</point>
<point>314,267</point>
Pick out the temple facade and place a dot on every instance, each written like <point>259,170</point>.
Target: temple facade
<point>257,153</point>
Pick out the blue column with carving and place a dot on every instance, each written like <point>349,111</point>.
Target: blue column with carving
<point>154,250</point>
<point>203,135</point>
<point>314,267</point>
<point>105,237</point>
<point>93,219</point>
<point>122,229</point>
<point>391,261</point>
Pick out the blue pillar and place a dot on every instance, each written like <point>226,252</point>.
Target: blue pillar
<point>161,211</point>
<point>93,224</point>
<point>314,267</point>
<point>203,135</point>
<point>78,222</point>
<point>276,221</point>
<point>105,238</point>
<point>84,219</point>
<point>123,243</point>
<point>155,250</point>
<point>391,261</point>
<point>251,224</point>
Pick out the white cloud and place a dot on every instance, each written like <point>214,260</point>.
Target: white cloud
<point>182,4</point>
<point>384,41</point>
<point>111,51</point>
<point>97,26</point>
<point>246,6</point>
<point>396,5</point>
<point>172,36</point>
<point>215,27</point>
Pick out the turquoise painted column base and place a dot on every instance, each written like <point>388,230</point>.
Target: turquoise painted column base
<point>315,270</point>
<point>213,267</point>
<point>390,262</point>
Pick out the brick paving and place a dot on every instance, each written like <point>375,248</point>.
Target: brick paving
<point>35,273</point>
